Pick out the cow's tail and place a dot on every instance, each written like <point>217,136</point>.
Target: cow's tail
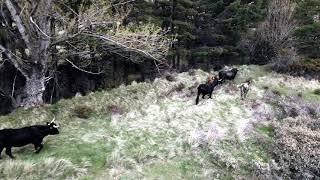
<point>197,100</point>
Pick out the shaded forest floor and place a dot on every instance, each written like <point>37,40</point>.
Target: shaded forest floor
<point>155,130</point>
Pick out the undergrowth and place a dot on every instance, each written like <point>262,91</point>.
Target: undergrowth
<point>155,130</point>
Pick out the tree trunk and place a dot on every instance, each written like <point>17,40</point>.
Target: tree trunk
<point>34,88</point>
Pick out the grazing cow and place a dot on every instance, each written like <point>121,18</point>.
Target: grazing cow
<point>244,88</point>
<point>227,75</point>
<point>28,135</point>
<point>206,89</point>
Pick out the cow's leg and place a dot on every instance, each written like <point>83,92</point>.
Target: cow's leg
<point>1,149</point>
<point>38,146</point>
<point>246,93</point>
<point>197,99</point>
<point>242,93</point>
<point>210,95</point>
<point>8,152</point>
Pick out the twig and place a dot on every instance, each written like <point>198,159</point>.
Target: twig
<point>80,69</point>
<point>155,63</point>
<point>52,91</point>
<point>126,2</point>
<point>3,63</point>
<point>14,84</point>
<point>2,94</point>
<point>35,24</point>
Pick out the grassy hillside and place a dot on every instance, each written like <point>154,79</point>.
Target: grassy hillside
<point>155,130</point>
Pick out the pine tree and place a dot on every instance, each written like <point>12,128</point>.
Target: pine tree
<point>307,35</point>
<point>208,31</point>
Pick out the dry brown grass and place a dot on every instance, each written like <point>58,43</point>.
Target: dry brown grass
<point>82,111</point>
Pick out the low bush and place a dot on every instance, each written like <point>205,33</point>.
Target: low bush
<point>82,111</point>
<point>296,149</point>
<point>317,92</point>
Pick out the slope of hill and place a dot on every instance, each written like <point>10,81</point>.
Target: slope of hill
<point>155,131</point>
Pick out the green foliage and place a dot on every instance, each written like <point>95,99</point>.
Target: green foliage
<point>308,40</point>
<point>267,130</point>
<point>307,35</point>
<point>305,10</point>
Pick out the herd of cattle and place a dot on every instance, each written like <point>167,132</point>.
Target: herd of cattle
<point>207,89</point>
<point>34,134</point>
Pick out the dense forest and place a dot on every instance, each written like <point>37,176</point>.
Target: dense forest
<point>100,44</point>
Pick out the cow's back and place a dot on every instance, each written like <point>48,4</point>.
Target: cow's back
<point>19,137</point>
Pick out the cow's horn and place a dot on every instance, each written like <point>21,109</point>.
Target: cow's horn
<point>56,126</point>
<point>53,120</point>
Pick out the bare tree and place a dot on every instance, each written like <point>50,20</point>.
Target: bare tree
<point>274,36</point>
<point>43,27</point>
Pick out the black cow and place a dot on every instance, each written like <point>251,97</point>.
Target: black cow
<point>227,75</point>
<point>207,89</point>
<point>28,135</point>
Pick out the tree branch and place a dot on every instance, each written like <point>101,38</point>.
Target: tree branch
<point>12,59</point>
<point>64,39</point>
<point>105,38</point>
<point>19,23</point>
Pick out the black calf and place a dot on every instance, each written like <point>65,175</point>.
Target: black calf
<point>28,135</point>
<point>206,89</point>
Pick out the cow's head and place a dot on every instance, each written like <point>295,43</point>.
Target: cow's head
<point>235,70</point>
<point>53,127</point>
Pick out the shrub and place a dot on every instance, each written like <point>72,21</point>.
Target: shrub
<point>276,92</point>
<point>192,72</point>
<point>180,87</point>
<point>82,111</point>
<point>312,112</point>
<point>296,149</point>
<point>170,77</point>
<point>115,109</point>
<point>176,88</point>
<point>293,112</point>
<point>317,92</point>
